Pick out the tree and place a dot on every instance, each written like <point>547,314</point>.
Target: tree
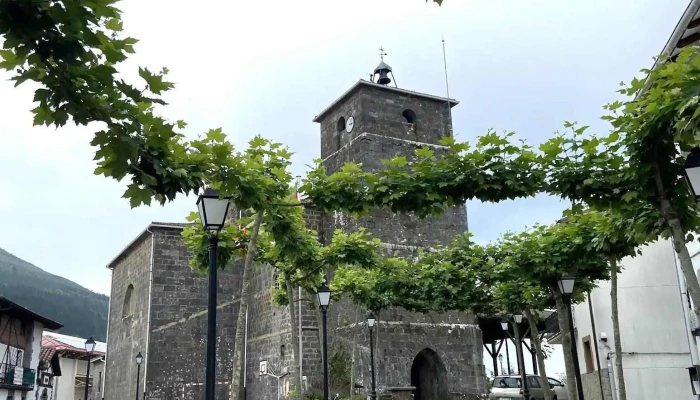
<point>486,279</point>
<point>640,164</point>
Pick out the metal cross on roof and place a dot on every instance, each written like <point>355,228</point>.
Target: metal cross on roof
<point>382,53</point>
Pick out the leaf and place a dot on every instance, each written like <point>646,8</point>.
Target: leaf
<point>137,195</point>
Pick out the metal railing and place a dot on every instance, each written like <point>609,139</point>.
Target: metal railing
<point>17,376</point>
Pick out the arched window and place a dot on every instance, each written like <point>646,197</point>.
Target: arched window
<point>409,116</point>
<point>126,310</point>
<point>340,126</point>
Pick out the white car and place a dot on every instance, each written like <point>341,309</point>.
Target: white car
<point>508,387</point>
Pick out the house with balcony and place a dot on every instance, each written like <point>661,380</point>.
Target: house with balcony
<point>72,362</point>
<point>21,331</point>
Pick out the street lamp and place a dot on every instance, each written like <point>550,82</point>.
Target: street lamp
<point>371,320</point>
<point>139,360</point>
<point>692,172</point>
<point>504,326</point>
<point>89,348</point>
<point>212,213</point>
<point>566,287</point>
<point>324,299</point>
<point>518,318</point>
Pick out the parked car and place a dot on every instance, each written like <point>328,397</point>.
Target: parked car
<point>507,387</point>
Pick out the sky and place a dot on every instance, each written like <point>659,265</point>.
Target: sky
<point>269,67</point>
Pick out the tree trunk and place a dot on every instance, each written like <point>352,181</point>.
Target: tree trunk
<point>622,392</point>
<point>548,395</point>
<point>566,342</point>
<point>671,217</point>
<point>237,375</point>
<point>295,334</point>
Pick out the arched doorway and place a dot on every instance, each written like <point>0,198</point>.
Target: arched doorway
<point>429,376</point>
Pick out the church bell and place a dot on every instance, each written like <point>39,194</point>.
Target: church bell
<point>383,71</point>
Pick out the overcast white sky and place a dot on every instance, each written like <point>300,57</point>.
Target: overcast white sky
<point>269,67</point>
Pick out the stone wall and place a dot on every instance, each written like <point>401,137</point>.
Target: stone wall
<point>127,324</point>
<point>591,385</point>
<point>452,341</point>
<point>177,351</point>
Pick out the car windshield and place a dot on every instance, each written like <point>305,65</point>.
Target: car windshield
<point>504,382</point>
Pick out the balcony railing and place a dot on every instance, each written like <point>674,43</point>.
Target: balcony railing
<point>12,376</point>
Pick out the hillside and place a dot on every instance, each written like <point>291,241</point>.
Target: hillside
<point>82,312</point>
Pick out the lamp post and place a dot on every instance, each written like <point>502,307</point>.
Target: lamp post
<point>89,348</point>
<point>504,326</point>
<point>518,319</point>
<point>139,360</point>
<point>500,359</point>
<point>324,299</point>
<point>371,320</point>
<point>566,287</point>
<point>212,212</point>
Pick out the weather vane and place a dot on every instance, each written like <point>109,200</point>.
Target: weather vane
<point>382,52</point>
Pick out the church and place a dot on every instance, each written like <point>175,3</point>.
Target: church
<point>158,305</point>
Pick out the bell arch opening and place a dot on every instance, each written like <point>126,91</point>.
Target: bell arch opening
<point>429,376</point>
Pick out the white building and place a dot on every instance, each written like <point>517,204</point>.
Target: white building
<point>73,360</point>
<point>20,347</point>
<point>656,345</point>
<point>656,319</point>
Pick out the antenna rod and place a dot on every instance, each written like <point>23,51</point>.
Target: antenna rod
<point>447,82</point>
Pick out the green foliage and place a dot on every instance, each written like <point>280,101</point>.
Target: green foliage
<point>495,169</point>
<point>514,274</point>
<point>71,49</point>
<point>230,244</point>
<point>339,369</point>
<point>82,312</point>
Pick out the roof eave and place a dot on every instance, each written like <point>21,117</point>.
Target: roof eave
<point>110,264</point>
<point>363,82</point>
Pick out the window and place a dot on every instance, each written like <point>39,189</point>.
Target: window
<point>99,382</point>
<point>506,382</point>
<point>533,382</point>
<point>588,354</point>
<point>340,126</point>
<point>409,116</point>
<point>276,282</point>
<point>282,351</point>
<point>126,310</point>
<point>18,358</point>
<point>554,382</point>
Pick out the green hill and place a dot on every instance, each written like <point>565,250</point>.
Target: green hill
<point>82,312</point>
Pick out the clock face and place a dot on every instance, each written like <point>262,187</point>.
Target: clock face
<point>350,124</point>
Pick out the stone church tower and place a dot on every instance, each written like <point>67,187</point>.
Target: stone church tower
<point>158,304</point>
<point>440,355</point>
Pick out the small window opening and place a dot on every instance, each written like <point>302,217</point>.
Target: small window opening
<point>409,116</point>
<point>282,351</point>
<point>340,126</point>
<point>276,281</point>
<point>126,310</point>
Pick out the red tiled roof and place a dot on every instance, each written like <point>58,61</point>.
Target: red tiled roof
<point>58,346</point>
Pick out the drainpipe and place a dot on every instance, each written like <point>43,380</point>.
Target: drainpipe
<point>301,352</point>
<point>245,357</point>
<point>611,377</point>
<point>595,340</point>
<point>148,322</point>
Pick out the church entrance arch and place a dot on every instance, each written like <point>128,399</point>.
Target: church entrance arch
<point>429,376</point>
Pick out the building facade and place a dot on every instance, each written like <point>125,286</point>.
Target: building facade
<point>158,304</point>
<point>656,316</point>
<point>73,359</point>
<point>20,348</point>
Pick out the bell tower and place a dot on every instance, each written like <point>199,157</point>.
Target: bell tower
<point>372,121</point>
<point>375,120</point>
